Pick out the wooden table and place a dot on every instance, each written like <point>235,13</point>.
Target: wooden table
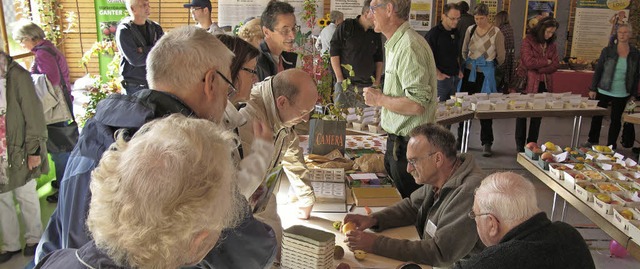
<point>577,115</point>
<point>632,247</point>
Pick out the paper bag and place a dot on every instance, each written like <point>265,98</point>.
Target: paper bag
<point>326,135</point>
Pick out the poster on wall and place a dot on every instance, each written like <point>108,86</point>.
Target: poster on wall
<point>596,23</point>
<point>350,8</point>
<point>233,12</point>
<point>420,15</point>
<point>536,10</point>
<point>108,16</point>
<point>493,8</point>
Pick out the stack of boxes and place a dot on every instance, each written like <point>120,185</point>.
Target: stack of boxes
<point>307,248</point>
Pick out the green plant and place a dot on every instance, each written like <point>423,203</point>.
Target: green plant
<point>46,16</point>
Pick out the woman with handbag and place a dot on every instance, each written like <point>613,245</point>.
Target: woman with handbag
<point>50,61</point>
<point>538,60</point>
<point>23,156</point>
<point>615,81</point>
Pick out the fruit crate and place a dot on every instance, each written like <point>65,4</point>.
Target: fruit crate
<point>557,170</point>
<point>605,208</point>
<point>620,221</point>
<point>542,164</point>
<point>529,153</point>
<point>633,230</point>
<point>582,191</point>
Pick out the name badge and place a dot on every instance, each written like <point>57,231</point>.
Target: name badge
<point>431,229</point>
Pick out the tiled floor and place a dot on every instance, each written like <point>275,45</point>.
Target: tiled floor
<point>553,129</point>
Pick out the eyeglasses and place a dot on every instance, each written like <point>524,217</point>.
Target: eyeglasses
<point>473,215</point>
<point>287,31</point>
<point>453,19</point>
<point>232,89</point>
<point>413,161</point>
<point>252,71</point>
<point>373,8</point>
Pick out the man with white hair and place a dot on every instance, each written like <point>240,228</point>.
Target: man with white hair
<point>187,201</point>
<point>324,39</point>
<point>135,37</point>
<point>438,209</point>
<point>198,91</point>
<point>517,234</point>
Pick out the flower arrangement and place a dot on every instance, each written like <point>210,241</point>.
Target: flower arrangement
<point>101,88</point>
<point>324,22</point>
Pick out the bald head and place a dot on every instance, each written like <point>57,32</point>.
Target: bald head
<point>296,94</point>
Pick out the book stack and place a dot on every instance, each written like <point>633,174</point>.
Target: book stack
<point>304,247</point>
<point>329,188</point>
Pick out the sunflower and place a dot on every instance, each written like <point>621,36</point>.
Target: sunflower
<point>327,16</point>
<point>323,22</point>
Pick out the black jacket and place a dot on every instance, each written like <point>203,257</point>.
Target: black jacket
<point>266,66</point>
<point>535,243</point>
<point>603,76</point>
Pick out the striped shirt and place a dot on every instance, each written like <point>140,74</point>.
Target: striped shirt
<point>410,71</point>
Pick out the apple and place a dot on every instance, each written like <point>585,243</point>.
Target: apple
<point>112,29</point>
<point>343,265</point>
<point>105,31</point>
<point>531,145</point>
<point>546,155</point>
<point>537,150</point>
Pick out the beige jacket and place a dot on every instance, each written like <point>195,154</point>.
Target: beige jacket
<point>288,152</point>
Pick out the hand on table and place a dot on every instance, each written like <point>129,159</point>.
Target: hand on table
<point>592,95</point>
<point>359,240</point>
<point>362,222</point>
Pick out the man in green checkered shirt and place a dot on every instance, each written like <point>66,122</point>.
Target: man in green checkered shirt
<point>408,98</point>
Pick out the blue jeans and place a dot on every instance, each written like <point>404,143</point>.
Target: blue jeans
<point>447,87</point>
<point>60,160</point>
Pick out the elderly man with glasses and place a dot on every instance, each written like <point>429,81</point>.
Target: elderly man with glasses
<point>438,209</point>
<point>200,91</point>
<point>279,28</point>
<point>517,234</point>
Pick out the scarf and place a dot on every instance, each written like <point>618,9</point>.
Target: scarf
<point>4,178</point>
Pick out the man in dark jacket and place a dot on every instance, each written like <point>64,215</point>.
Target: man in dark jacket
<point>517,234</point>
<point>199,91</point>
<point>444,40</point>
<point>135,37</point>
<point>279,28</point>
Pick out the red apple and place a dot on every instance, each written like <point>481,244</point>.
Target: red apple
<point>537,150</point>
<point>112,29</point>
<point>531,145</point>
<point>546,155</point>
<point>105,31</point>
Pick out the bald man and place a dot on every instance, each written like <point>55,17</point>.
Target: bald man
<point>282,101</point>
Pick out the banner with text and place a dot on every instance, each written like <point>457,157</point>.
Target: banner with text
<point>108,15</point>
<point>595,26</point>
<point>350,8</point>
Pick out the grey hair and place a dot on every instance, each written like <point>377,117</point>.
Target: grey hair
<point>27,29</point>
<point>508,196</point>
<point>481,10</point>
<point>152,195</point>
<point>129,3</point>
<point>336,15</point>
<point>401,8</point>
<point>438,136</point>
<point>365,7</point>
<point>628,25</point>
<point>182,56</point>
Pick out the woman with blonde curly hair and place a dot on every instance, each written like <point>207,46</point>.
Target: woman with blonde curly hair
<point>252,32</point>
<point>157,202</point>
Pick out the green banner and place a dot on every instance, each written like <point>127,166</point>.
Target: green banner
<point>610,4</point>
<point>108,15</point>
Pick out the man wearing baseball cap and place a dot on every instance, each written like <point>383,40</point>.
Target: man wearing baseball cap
<point>201,13</point>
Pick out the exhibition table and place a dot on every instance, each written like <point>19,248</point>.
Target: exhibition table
<point>324,222</point>
<point>577,82</point>
<point>576,113</point>
<point>604,222</point>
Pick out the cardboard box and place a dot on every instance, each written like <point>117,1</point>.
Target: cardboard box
<point>376,196</point>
